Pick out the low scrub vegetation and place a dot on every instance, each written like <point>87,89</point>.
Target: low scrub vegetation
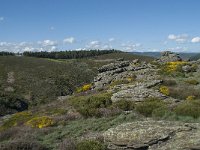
<point>164,90</point>
<point>184,92</point>
<point>189,108</point>
<point>124,105</point>
<point>147,107</point>
<point>88,106</point>
<point>40,122</point>
<point>192,82</point>
<point>90,145</point>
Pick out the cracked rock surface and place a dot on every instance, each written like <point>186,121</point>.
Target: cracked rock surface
<point>153,135</point>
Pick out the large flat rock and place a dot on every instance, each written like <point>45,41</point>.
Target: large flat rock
<point>154,135</point>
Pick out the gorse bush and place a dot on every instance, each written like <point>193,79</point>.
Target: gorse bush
<point>84,88</point>
<point>190,98</point>
<point>164,90</point>
<point>174,66</point>
<point>40,122</point>
<point>16,119</point>
<point>147,107</point>
<point>88,105</point>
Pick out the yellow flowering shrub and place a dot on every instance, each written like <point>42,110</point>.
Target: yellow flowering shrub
<point>130,79</point>
<point>40,122</point>
<point>16,119</point>
<point>84,88</point>
<point>190,98</point>
<point>164,90</point>
<point>173,66</point>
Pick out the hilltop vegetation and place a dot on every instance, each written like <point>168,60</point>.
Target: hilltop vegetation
<point>27,81</point>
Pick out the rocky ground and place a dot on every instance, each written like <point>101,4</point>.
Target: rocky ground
<point>143,79</point>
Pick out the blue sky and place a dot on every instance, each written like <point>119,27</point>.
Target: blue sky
<point>128,25</point>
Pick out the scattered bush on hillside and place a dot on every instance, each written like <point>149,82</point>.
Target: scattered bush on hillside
<point>147,107</point>
<point>162,112</point>
<point>16,119</point>
<point>84,88</point>
<point>188,108</point>
<point>40,122</point>
<point>124,105</point>
<point>192,82</point>
<point>164,90</point>
<point>90,145</point>
<point>172,68</point>
<point>118,82</point>
<point>169,82</point>
<point>88,105</point>
<point>183,92</point>
<point>190,98</point>
<point>22,145</point>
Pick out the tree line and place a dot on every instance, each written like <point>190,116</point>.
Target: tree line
<point>69,54</point>
<point>7,53</point>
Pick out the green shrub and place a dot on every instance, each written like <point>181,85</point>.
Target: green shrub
<point>161,112</point>
<point>40,122</point>
<point>192,82</point>
<point>90,145</point>
<point>183,92</point>
<point>147,107</point>
<point>124,105</point>
<point>189,108</point>
<point>169,82</point>
<point>22,145</point>
<point>88,105</point>
<point>16,119</point>
<point>118,82</point>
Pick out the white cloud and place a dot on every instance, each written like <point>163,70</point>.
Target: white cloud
<point>111,39</point>
<point>196,40</point>
<point>178,38</point>
<point>98,45</point>
<point>48,43</point>
<point>1,18</point>
<point>94,45</point>
<point>129,47</point>
<point>69,40</point>
<point>177,49</point>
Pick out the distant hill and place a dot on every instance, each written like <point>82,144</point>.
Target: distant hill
<point>157,54</point>
<point>195,57</point>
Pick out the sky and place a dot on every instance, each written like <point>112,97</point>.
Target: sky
<point>128,25</point>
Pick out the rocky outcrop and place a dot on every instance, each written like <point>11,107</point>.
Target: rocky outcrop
<point>168,56</point>
<point>153,135</point>
<point>145,77</point>
<point>138,92</point>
